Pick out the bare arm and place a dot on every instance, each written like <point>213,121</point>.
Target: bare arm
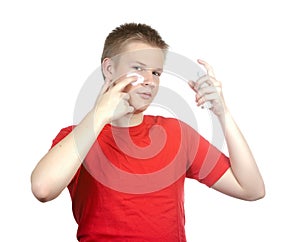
<point>243,180</point>
<point>56,169</point>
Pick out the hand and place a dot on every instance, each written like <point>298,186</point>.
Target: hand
<point>113,102</point>
<point>207,88</point>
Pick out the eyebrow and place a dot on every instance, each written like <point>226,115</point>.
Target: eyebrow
<point>144,65</point>
<point>140,63</point>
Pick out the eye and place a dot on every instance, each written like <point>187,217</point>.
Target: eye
<point>137,68</point>
<point>156,73</point>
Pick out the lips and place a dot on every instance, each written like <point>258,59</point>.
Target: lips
<point>145,95</point>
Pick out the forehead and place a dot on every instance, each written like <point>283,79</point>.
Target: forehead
<point>143,53</point>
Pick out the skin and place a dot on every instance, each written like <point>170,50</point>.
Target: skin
<point>243,180</point>
<point>147,62</point>
<point>122,104</point>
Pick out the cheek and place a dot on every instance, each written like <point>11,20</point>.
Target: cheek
<point>154,92</point>
<point>119,72</point>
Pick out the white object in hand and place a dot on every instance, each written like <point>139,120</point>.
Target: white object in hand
<point>138,81</point>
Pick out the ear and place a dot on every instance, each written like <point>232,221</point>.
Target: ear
<point>107,69</point>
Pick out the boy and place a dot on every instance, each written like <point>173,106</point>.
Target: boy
<point>125,170</point>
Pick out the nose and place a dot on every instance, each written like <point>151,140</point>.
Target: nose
<point>149,79</point>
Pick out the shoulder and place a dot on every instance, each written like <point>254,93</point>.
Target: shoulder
<point>65,131</point>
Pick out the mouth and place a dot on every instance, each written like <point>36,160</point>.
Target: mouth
<point>145,95</point>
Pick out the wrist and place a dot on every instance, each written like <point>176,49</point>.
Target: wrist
<point>224,117</point>
<point>99,119</point>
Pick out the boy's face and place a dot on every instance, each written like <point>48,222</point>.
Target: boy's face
<point>146,61</point>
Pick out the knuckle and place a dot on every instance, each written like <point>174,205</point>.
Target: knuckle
<point>125,96</point>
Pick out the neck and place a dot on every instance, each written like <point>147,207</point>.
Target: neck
<point>129,120</point>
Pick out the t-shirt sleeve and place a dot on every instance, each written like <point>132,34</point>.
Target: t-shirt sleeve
<point>61,135</point>
<point>207,163</point>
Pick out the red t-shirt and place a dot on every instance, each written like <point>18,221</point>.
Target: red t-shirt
<point>130,185</point>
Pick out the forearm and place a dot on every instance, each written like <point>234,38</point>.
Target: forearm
<point>56,169</point>
<point>243,164</point>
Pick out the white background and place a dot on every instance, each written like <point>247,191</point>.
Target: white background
<point>48,50</point>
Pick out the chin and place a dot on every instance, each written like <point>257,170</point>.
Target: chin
<point>140,109</point>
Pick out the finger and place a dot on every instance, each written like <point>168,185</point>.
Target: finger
<point>196,85</point>
<point>203,81</point>
<point>130,109</point>
<point>122,83</point>
<point>201,101</point>
<point>126,96</point>
<point>208,68</point>
<point>209,97</point>
<point>192,84</point>
<point>205,91</point>
<point>126,106</point>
